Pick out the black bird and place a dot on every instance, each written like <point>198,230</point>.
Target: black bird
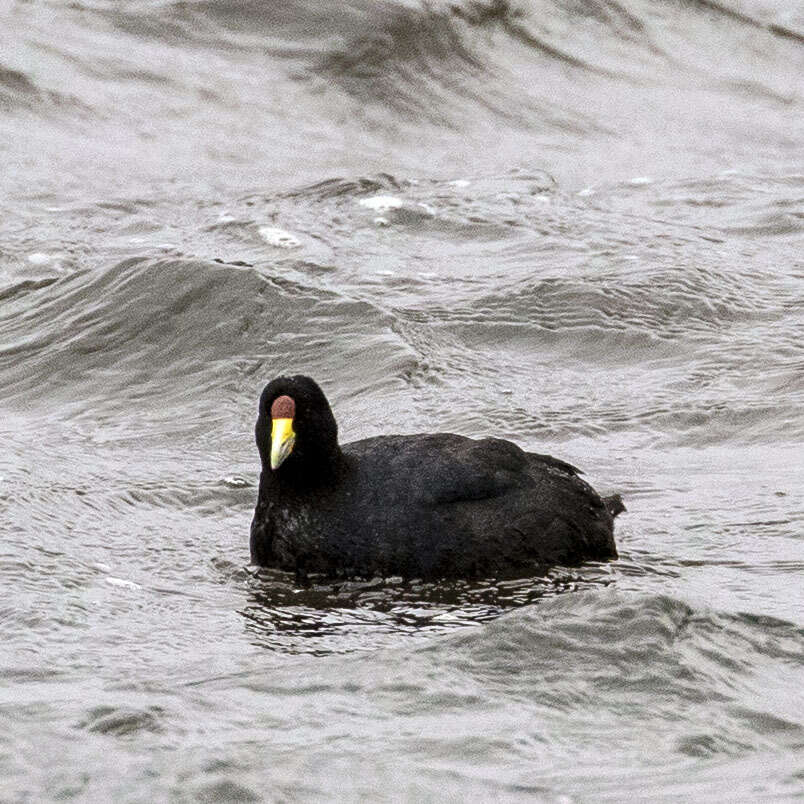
<point>421,506</point>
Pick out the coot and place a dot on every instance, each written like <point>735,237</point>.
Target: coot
<point>435,505</point>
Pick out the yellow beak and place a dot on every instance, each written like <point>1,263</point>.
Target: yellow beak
<point>282,440</point>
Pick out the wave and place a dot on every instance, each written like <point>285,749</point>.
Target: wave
<point>615,665</point>
<point>510,58</point>
<point>548,294</point>
<point>446,63</point>
<point>144,332</point>
<point>19,91</point>
<point>14,86</point>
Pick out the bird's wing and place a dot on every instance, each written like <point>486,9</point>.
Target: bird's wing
<point>475,470</point>
<point>434,468</point>
<point>556,463</point>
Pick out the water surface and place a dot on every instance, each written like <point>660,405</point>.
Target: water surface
<point>574,225</point>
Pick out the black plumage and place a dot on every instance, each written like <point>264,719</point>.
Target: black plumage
<point>428,506</point>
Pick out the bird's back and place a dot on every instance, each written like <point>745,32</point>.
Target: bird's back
<point>441,504</point>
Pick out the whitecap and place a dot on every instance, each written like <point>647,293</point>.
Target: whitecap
<point>235,482</point>
<point>112,581</point>
<point>39,258</point>
<point>279,237</point>
<point>381,203</point>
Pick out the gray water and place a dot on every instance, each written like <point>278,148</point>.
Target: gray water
<point>577,225</point>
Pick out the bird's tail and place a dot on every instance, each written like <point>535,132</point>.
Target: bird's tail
<point>614,504</point>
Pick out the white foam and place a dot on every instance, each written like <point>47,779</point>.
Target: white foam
<point>39,258</point>
<point>279,237</point>
<point>235,482</point>
<point>121,582</point>
<point>639,181</point>
<point>381,203</point>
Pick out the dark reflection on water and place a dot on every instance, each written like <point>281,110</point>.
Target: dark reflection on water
<point>282,616</point>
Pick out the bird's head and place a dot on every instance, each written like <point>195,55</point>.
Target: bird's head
<point>296,430</point>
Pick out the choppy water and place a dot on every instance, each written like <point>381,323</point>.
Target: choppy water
<point>573,224</point>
